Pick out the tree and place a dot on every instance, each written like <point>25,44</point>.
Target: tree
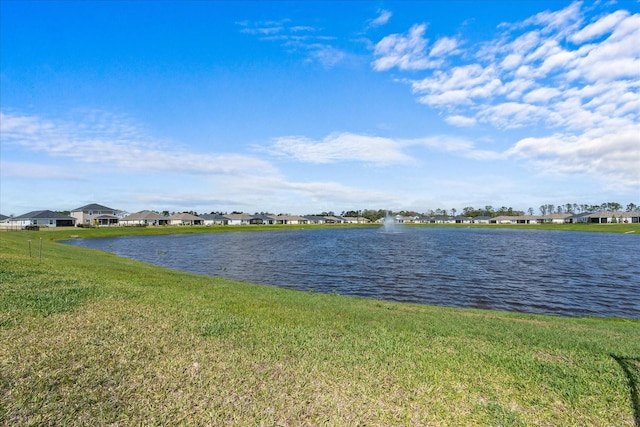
<point>543,209</point>
<point>530,211</point>
<point>631,207</point>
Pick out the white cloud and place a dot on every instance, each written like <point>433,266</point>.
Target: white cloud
<point>113,142</point>
<point>461,121</point>
<point>30,170</point>
<point>382,19</point>
<point>444,46</point>
<point>614,156</point>
<point>541,95</point>
<point>406,52</point>
<point>339,147</point>
<point>557,70</point>
<point>373,150</point>
<point>599,28</point>
<point>327,55</point>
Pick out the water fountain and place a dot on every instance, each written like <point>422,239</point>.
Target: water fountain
<point>389,224</point>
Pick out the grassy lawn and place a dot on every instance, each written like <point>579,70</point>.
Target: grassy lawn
<point>87,338</point>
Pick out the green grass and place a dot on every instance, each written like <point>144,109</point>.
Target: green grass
<point>87,338</point>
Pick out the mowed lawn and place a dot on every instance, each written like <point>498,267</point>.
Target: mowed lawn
<point>87,338</point>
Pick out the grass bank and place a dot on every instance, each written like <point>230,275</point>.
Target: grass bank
<point>87,338</point>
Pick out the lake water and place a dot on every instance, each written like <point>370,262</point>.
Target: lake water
<point>533,271</point>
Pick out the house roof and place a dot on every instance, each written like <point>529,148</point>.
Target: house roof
<point>44,214</point>
<point>106,216</point>
<point>214,217</point>
<point>93,207</point>
<point>609,214</point>
<point>185,216</point>
<point>149,215</point>
<point>504,218</point>
<point>3,217</point>
<point>289,218</point>
<point>556,216</point>
<point>239,216</point>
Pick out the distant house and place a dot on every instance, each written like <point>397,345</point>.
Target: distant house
<point>333,219</point>
<point>481,219</point>
<point>185,219</point>
<point>356,220</point>
<point>3,218</point>
<point>261,219</point>
<point>214,219</point>
<point>144,218</point>
<point>44,218</point>
<point>95,214</point>
<point>461,219</point>
<point>441,219</point>
<point>315,219</point>
<point>527,219</point>
<point>290,219</point>
<point>579,218</point>
<point>422,220</point>
<point>239,219</point>
<point>606,217</point>
<point>555,218</point>
<point>503,219</point>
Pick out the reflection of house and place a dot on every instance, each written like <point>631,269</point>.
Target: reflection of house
<point>144,218</point>
<point>185,219</point>
<point>94,214</point>
<point>43,218</point>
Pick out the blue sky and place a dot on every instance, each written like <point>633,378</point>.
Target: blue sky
<point>304,107</point>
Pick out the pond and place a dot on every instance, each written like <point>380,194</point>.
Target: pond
<point>533,271</point>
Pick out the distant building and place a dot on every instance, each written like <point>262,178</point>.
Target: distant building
<point>44,218</point>
<point>95,214</point>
